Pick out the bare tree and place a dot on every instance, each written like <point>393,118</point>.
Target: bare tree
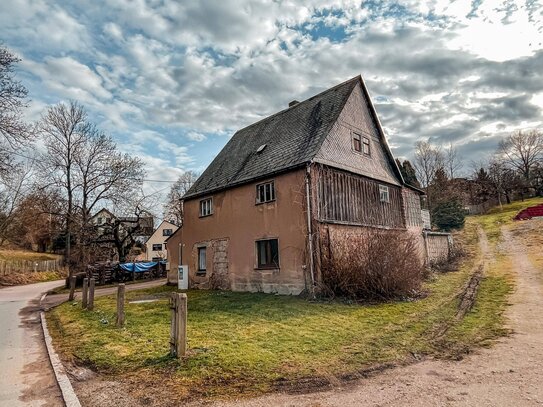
<point>103,173</point>
<point>13,189</point>
<point>13,131</point>
<point>173,209</point>
<point>452,162</point>
<point>65,131</point>
<point>428,160</point>
<point>522,151</point>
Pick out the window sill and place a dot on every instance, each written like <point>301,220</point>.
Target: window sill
<point>273,269</point>
<point>200,274</point>
<point>204,216</point>
<point>265,202</point>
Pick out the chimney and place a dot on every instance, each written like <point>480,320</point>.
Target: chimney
<point>294,102</point>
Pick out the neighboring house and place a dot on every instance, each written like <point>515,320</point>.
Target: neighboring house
<point>156,244</point>
<point>261,214</point>
<point>122,231</point>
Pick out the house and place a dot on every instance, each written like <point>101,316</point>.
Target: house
<point>259,217</point>
<point>155,246</point>
<point>115,236</point>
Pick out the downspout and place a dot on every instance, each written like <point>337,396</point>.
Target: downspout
<point>309,231</point>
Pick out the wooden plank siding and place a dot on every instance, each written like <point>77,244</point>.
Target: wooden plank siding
<point>352,199</point>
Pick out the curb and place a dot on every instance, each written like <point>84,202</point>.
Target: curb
<point>68,393</point>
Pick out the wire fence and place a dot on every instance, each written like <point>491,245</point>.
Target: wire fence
<point>29,266</point>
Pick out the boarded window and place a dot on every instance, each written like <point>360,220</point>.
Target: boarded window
<point>356,142</point>
<point>206,207</point>
<point>265,192</point>
<point>157,247</point>
<point>384,195</point>
<point>267,252</point>
<point>202,259</point>
<point>366,145</point>
<point>167,232</point>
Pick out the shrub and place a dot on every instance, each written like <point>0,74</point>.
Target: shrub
<point>378,265</point>
<point>449,215</point>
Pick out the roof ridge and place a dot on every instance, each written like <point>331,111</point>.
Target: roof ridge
<point>299,103</point>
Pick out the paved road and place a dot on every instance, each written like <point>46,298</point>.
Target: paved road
<point>26,376</point>
<point>54,300</point>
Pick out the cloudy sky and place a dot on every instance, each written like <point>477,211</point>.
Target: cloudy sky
<point>172,80</point>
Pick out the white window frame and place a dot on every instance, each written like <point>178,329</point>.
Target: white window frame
<point>384,193</point>
<point>202,261</point>
<point>358,137</point>
<point>206,207</point>
<point>366,144</point>
<point>268,189</point>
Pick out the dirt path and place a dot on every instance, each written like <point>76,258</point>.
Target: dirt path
<point>508,374</point>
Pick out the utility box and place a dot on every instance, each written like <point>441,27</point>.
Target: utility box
<point>183,277</point>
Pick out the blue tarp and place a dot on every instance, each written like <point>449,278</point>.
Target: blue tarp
<point>140,267</point>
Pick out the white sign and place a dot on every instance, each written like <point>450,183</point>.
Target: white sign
<point>183,277</point>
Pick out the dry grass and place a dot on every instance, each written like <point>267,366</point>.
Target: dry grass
<point>24,255</point>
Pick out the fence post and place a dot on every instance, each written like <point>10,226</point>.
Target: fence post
<point>85,293</point>
<point>120,305</point>
<point>92,283</point>
<point>72,288</point>
<point>178,330</point>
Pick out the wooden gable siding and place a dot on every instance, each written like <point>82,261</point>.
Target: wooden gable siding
<point>412,208</point>
<point>337,149</point>
<point>355,200</point>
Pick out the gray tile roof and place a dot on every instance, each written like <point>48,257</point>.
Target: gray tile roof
<point>292,137</point>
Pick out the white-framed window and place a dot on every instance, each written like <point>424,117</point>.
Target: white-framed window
<point>384,195</point>
<point>202,253</point>
<point>265,192</point>
<point>206,207</point>
<point>366,145</point>
<point>267,253</point>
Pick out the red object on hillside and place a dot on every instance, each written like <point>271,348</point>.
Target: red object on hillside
<point>529,213</point>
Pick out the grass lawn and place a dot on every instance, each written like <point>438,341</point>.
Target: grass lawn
<point>249,343</point>
<point>498,217</point>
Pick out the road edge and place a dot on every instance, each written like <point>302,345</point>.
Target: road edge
<point>66,389</point>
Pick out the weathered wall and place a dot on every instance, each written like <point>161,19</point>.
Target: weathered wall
<point>230,234</point>
<point>337,149</point>
<point>437,246</point>
<point>344,197</point>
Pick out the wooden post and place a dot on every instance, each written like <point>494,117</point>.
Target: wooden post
<point>92,283</point>
<point>178,331</point>
<point>85,293</point>
<point>72,288</point>
<point>120,305</point>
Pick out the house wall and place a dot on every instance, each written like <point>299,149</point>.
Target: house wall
<point>337,149</point>
<point>229,236</point>
<point>158,238</point>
